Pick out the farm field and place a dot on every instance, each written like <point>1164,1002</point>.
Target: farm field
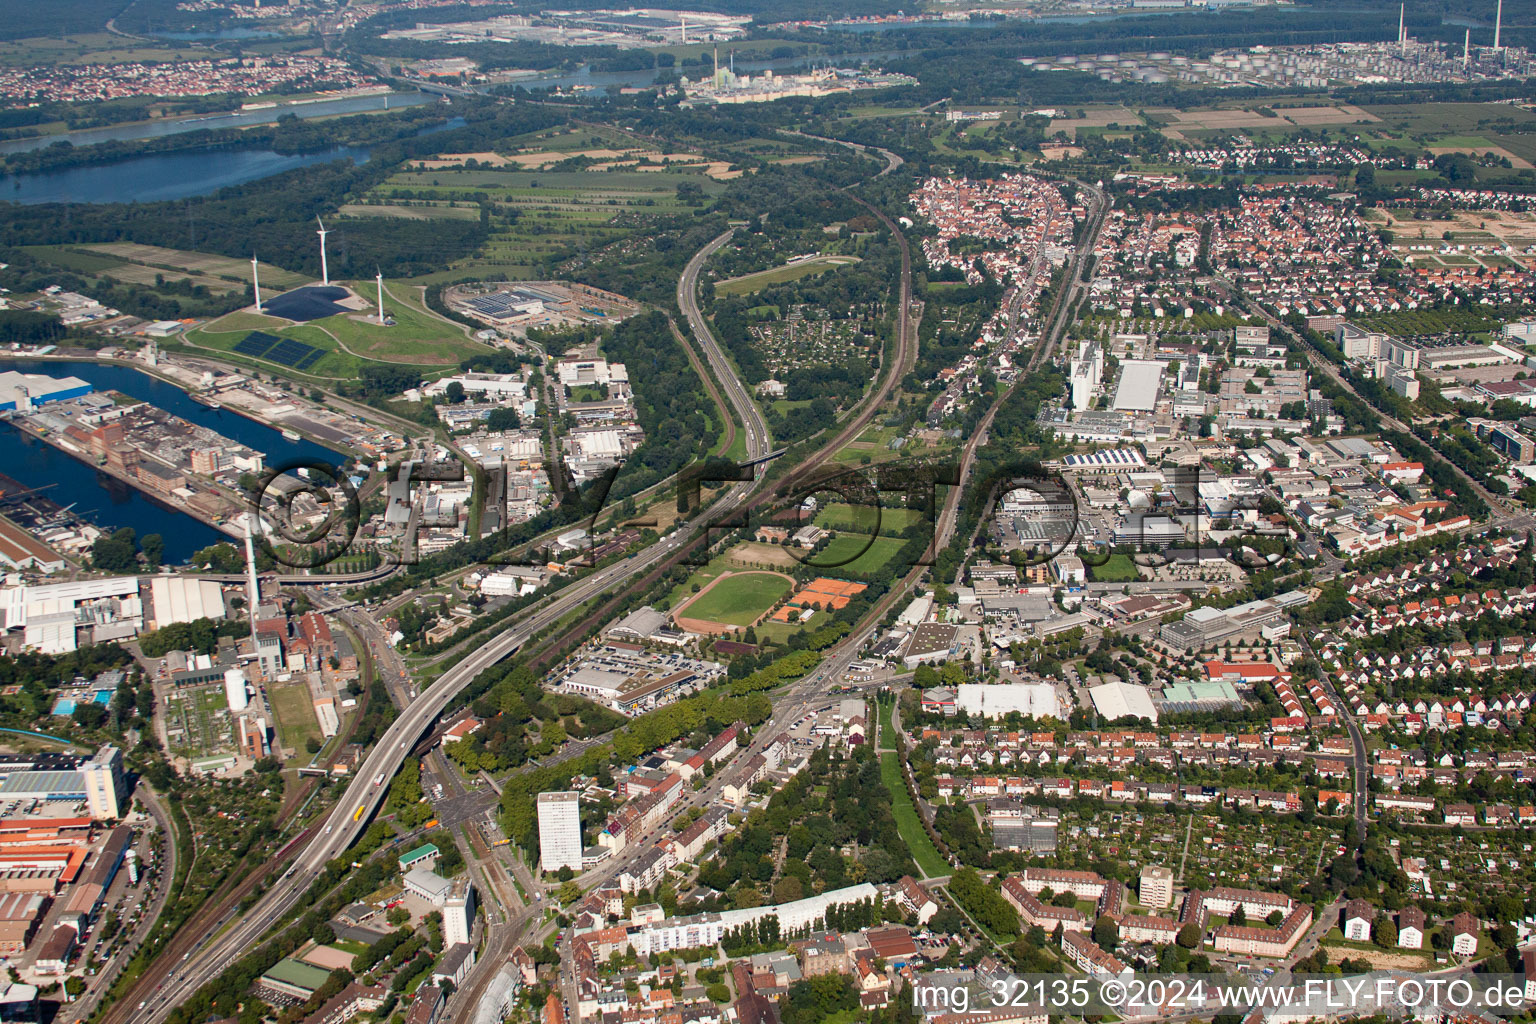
<point>749,283</point>
<point>89,48</point>
<point>423,211</point>
<point>555,212</point>
<point>1455,118</point>
<point>132,263</point>
<point>738,599</point>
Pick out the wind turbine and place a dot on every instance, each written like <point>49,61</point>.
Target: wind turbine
<point>256,283</point>
<point>381,295</point>
<point>325,273</point>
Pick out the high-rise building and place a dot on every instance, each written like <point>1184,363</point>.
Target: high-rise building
<point>105,787</point>
<point>459,914</point>
<point>559,831</point>
<point>1156,886</point>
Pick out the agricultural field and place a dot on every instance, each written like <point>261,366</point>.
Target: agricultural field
<point>1423,121</point>
<point>197,721</point>
<point>748,284</point>
<point>294,710</point>
<point>91,48</point>
<point>348,341</point>
<point>738,598</point>
<point>412,210</point>
<point>548,194</point>
<point>132,263</point>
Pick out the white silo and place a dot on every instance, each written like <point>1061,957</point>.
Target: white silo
<point>234,689</point>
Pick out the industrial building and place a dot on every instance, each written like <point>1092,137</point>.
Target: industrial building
<point>51,616</point>
<point>1139,383</point>
<point>23,392</point>
<point>1204,626</point>
<point>98,783</point>
<point>1115,701</point>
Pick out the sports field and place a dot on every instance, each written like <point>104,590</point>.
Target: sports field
<point>738,598</point>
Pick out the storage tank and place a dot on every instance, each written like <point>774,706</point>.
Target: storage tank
<point>234,689</point>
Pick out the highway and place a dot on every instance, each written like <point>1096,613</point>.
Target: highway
<point>351,815</point>
<point>735,392</point>
<point>371,781</point>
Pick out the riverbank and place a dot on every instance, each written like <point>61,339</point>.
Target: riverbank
<point>91,356</point>
<point>57,442</point>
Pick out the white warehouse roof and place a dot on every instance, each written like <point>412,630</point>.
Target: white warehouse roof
<point>998,699</point>
<point>1117,700</point>
<point>183,599</point>
<point>1139,379</point>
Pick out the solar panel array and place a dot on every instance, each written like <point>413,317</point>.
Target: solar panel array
<point>255,344</point>
<point>494,304</point>
<point>283,351</point>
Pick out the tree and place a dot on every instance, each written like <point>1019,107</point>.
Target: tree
<point>89,715</point>
<point>454,392</point>
<point>1105,932</point>
<point>1384,932</point>
<point>1239,916</point>
<point>397,916</point>
<point>1189,936</point>
<point>153,546</point>
<point>114,552</point>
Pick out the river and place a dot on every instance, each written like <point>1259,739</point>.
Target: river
<point>108,502</point>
